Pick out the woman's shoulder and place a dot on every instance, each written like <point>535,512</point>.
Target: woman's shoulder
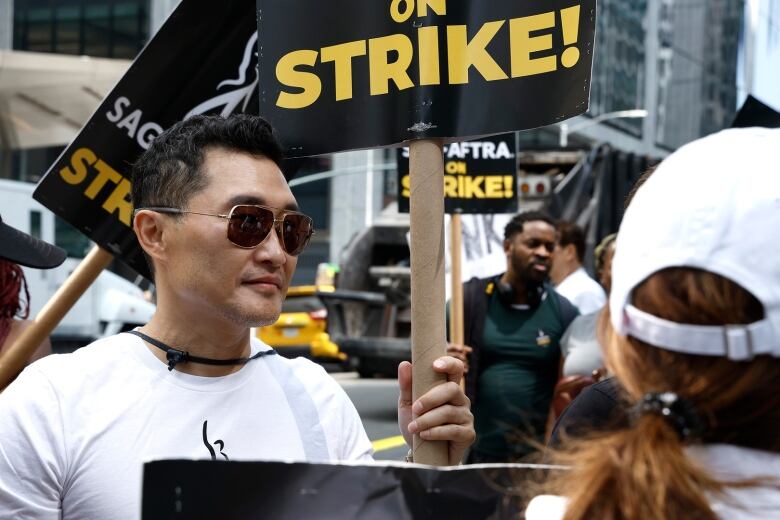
<point>19,326</point>
<point>546,507</point>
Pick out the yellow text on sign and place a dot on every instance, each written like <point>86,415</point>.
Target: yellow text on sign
<point>390,57</point>
<point>94,175</point>
<point>468,187</point>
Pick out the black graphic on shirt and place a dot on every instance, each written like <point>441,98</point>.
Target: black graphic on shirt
<point>218,442</point>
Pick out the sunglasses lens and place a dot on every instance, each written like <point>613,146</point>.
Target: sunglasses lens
<point>296,231</point>
<point>249,225</point>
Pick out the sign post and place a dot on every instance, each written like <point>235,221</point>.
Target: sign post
<point>427,259</point>
<point>456,289</point>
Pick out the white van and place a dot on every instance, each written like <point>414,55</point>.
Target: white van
<point>111,305</point>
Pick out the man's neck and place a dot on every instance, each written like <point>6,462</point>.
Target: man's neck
<point>203,336</point>
<point>519,285</point>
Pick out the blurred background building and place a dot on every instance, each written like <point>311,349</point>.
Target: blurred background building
<point>687,63</point>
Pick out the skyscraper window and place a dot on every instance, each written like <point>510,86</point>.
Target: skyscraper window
<point>101,28</point>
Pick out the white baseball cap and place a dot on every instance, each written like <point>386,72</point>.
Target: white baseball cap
<point>714,204</point>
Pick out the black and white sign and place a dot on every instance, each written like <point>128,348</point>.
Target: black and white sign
<point>202,60</point>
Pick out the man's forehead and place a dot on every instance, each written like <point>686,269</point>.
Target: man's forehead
<point>237,177</point>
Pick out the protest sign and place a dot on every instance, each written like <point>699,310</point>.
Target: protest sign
<point>482,249</point>
<point>754,112</point>
<point>479,176</point>
<point>349,75</point>
<point>296,491</point>
<point>202,60</point>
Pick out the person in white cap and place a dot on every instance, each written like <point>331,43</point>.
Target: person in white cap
<point>692,333</point>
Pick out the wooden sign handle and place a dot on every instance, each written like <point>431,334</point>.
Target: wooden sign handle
<point>14,357</point>
<point>456,285</point>
<point>426,208</point>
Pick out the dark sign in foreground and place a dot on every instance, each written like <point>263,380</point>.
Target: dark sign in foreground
<point>297,491</point>
<point>202,60</point>
<point>479,176</point>
<point>348,74</point>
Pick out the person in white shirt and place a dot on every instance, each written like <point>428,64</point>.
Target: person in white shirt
<point>567,272</point>
<point>692,335</point>
<point>221,231</point>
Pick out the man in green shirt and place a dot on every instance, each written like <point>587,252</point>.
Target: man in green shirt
<point>512,325</point>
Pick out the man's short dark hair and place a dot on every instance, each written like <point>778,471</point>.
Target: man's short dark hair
<point>570,233</point>
<point>170,172</point>
<point>516,224</point>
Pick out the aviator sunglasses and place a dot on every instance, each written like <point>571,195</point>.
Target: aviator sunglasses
<point>249,225</point>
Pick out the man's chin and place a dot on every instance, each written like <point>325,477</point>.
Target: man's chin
<point>258,316</point>
<point>263,320</point>
<point>535,279</point>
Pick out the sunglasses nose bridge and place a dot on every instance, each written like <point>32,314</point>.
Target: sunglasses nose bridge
<point>277,227</point>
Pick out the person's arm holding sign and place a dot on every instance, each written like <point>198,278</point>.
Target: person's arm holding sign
<point>441,414</point>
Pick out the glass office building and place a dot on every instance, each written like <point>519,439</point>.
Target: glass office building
<point>100,28</point>
<point>697,68</point>
<point>688,48</point>
<point>618,81</point>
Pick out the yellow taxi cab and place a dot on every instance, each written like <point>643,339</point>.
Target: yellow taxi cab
<point>301,328</point>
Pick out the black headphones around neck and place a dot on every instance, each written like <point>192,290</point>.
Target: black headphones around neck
<point>506,292</point>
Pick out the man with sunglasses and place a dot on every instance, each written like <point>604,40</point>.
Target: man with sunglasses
<point>221,231</point>
<point>513,323</point>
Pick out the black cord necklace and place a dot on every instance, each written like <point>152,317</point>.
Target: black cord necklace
<point>175,356</point>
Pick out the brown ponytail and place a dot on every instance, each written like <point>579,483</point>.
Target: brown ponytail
<point>643,472</point>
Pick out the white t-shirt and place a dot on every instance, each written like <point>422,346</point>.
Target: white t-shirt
<point>583,291</point>
<point>580,347</point>
<point>724,462</point>
<point>76,428</point>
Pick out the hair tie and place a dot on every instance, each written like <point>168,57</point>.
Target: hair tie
<point>677,411</point>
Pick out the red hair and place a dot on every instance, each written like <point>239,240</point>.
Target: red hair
<point>12,282</point>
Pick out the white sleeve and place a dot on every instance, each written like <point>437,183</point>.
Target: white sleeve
<point>346,437</point>
<point>355,445</point>
<point>32,461</point>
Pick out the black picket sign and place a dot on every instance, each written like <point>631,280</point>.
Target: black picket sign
<point>346,74</point>
<point>293,491</point>
<point>480,176</point>
<point>202,60</point>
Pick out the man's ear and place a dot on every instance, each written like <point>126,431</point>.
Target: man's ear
<point>149,228</point>
<point>507,246</point>
<point>570,251</point>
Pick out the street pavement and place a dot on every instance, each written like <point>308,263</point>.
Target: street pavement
<point>376,401</point>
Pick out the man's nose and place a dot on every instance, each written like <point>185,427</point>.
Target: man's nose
<point>272,250</point>
<point>543,251</point>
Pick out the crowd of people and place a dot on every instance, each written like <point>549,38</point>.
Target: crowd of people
<point>662,372</point>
